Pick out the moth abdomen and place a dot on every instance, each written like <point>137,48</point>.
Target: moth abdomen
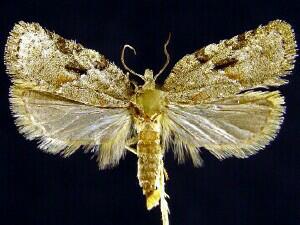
<point>150,158</point>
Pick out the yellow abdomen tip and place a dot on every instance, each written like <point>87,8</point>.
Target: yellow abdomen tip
<point>153,199</point>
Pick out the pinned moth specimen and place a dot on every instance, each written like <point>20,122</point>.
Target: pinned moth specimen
<point>68,97</point>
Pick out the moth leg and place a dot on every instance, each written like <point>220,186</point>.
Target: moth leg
<point>133,150</point>
<point>166,174</point>
<point>164,208</point>
<point>131,141</point>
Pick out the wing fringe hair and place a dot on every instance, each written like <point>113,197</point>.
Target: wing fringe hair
<point>235,126</point>
<point>265,135</point>
<point>62,126</point>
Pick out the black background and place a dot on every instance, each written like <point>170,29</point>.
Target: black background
<point>41,189</point>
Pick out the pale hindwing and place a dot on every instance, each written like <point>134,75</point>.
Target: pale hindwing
<point>44,61</point>
<point>62,126</point>
<point>257,58</point>
<point>234,126</point>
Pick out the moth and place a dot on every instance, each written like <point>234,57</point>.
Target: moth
<point>216,98</point>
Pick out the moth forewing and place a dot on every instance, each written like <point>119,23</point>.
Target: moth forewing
<point>254,59</point>
<point>48,63</point>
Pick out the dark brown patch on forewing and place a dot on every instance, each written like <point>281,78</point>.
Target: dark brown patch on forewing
<point>101,64</point>
<point>224,63</point>
<point>241,42</point>
<point>66,47</point>
<point>241,37</point>
<point>75,67</point>
<point>201,56</point>
<point>61,44</point>
<point>252,32</point>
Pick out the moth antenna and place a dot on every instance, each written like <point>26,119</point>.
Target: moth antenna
<point>167,59</point>
<point>123,62</point>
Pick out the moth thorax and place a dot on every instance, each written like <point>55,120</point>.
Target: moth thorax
<point>151,102</point>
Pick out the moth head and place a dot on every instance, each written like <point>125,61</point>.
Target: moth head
<point>149,79</point>
<point>148,75</point>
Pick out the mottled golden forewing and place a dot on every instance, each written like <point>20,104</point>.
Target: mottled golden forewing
<point>44,61</point>
<point>257,58</point>
<point>233,126</point>
<point>67,96</point>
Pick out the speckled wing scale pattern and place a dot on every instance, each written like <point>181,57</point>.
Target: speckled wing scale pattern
<point>212,97</point>
<point>257,58</point>
<point>67,97</point>
<point>49,63</point>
